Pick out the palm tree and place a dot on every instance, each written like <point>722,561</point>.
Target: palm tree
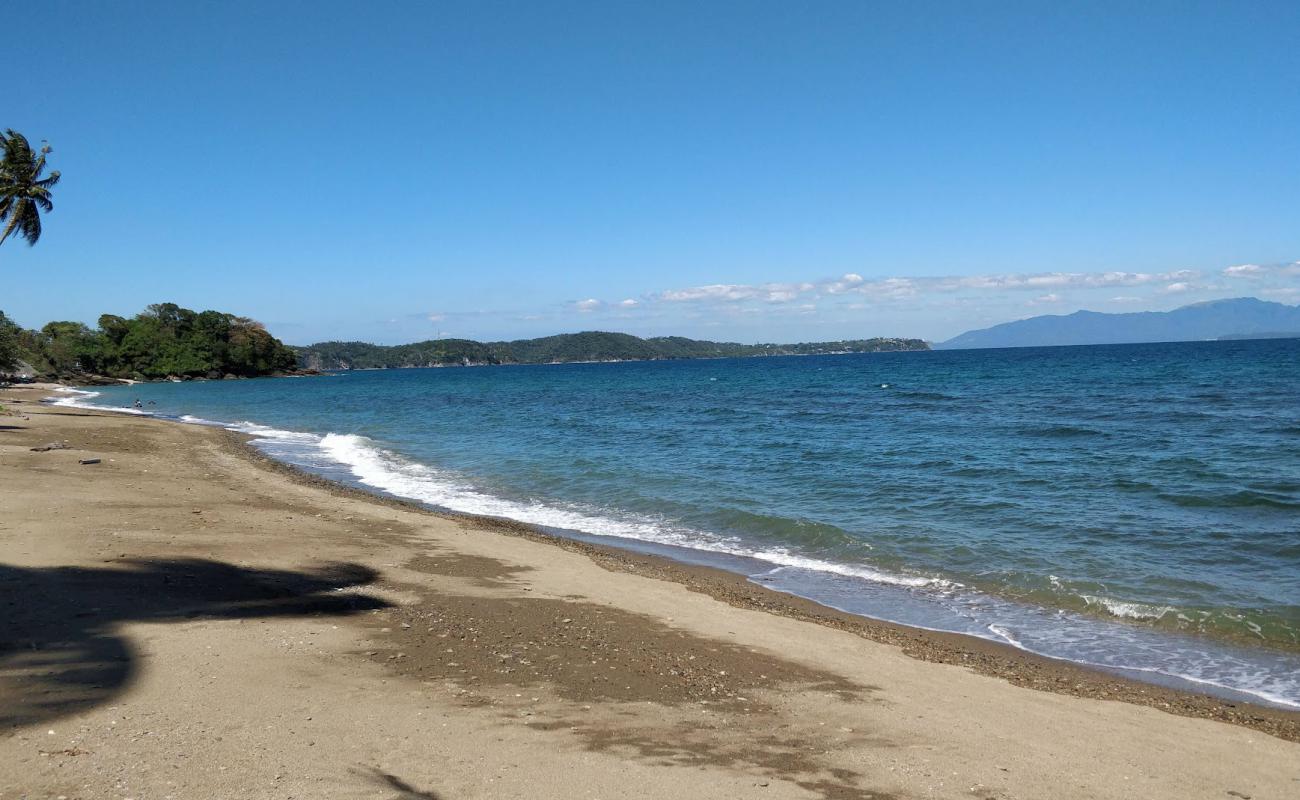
<point>24,194</point>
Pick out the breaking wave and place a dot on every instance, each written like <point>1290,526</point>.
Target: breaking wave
<point>381,469</point>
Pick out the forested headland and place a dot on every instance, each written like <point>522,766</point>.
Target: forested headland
<point>568,348</point>
<point>163,341</point>
<point>167,341</point>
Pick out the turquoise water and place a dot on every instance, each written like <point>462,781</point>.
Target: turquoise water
<point>1133,507</point>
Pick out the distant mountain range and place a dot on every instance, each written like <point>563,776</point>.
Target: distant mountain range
<point>567,348</point>
<point>1240,318</point>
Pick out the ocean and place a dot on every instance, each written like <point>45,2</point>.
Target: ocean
<point>1130,507</point>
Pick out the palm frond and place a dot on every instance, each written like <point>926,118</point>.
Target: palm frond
<point>31,224</point>
<point>17,150</point>
<point>15,217</point>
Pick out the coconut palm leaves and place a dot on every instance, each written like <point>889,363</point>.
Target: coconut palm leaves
<point>24,194</point>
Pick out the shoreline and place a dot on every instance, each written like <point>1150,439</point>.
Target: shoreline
<point>186,617</point>
<point>731,561</point>
<point>984,656</point>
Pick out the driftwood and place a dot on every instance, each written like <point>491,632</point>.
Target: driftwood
<point>50,446</point>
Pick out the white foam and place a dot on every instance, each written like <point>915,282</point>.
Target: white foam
<point>372,466</point>
<point>377,468</point>
<point>76,395</point>
<point>1005,635</point>
<point>1244,681</point>
<point>1129,610</point>
<point>193,420</point>
<point>78,398</point>
<point>785,558</point>
<point>1243,688</point>
<point>275,434</point>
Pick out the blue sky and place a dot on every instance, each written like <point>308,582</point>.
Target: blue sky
<point>746,171</point>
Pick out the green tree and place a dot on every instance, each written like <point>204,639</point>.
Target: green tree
<point>8,344</point>
<point>70,347</point>
<point>24,194</point>
<point>162,341</point>
<point>139,347</point>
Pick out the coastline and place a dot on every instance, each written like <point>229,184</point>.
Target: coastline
<point>984,656</point>
<point>1133,679</point>
<point>439,568</point>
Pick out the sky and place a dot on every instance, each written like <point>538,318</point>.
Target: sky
<point>743,171</point>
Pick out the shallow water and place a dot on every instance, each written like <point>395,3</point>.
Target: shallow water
<point>1135,507</point>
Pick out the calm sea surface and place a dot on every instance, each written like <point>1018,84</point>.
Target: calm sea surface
<point>1135,507</point>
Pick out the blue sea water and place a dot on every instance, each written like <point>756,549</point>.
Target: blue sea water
<point>1133,507</point>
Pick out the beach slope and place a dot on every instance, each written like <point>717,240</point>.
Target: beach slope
<point>182,619</point>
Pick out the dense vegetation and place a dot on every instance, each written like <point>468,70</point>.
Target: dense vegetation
<point>8,344</point>
<point>163,341</point>
<point>567,348</point>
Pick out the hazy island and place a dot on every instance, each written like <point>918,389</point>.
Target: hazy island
<point>1236,318</point>
<point>568,348</point>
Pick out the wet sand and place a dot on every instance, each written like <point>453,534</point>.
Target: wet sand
<point>185,619</point>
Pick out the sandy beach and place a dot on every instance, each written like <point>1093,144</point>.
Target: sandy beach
<point>183,619</point>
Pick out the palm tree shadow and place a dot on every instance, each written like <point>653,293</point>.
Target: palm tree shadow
<point>401,789</point>
<point>61,650</point>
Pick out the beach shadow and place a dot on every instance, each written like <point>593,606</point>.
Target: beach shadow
<point>61,649</point>
<point>776,754</point>
<point>400,789</point>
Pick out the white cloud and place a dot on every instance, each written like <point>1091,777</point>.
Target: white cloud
<point>889,288</point>
<point>844,284</point>
<point>1263,271</point>
<point>716,291</point>
<point>1283,292</point>
<point>437,317</point>
<point>730,292</point>
<point>992,294</point>
<point>896,288</point>
<point>1054,280</point>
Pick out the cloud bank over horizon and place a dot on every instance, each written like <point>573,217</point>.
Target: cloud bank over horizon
<point>849,305</point>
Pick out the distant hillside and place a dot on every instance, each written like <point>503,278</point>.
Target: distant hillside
<point>1264,335</point>
<point>1244,317</point>
<point>567,348</point>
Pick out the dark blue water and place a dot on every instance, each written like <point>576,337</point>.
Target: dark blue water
<point>1135,507</point>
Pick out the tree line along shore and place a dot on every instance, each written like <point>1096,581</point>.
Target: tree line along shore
<point>163,341</point>
<point>166,341</point>
<point>569,348</point>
